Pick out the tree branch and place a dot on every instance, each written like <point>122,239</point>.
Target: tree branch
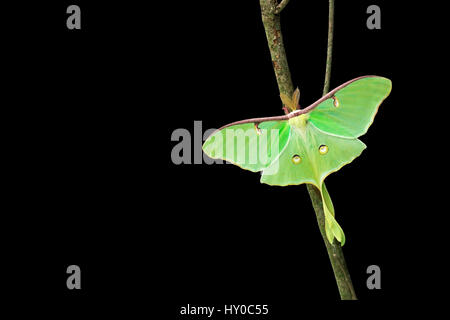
<point>272,27</point>
<point>334,250</point>
<point>281,6</point>
<point>271,21</point>
<point>326,85</point>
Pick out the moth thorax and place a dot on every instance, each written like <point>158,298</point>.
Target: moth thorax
<point>299,121</point>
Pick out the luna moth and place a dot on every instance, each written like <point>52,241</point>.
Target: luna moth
<point>305,145</point>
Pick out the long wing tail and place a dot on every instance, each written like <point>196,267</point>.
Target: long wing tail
<point>332,228</point>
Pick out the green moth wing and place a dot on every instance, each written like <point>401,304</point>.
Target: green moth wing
<point>310,156</point>
<point>332,228</point>
<point>350,111</point>
<point>251,146</point>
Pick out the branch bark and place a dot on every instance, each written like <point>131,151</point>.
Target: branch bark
<point>272,26</point>
<point>334,250</point>
<point>326,84</point>
<point>281,6</point>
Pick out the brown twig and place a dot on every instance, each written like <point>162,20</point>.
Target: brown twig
<point>281,6</point>
<point>326,84</point>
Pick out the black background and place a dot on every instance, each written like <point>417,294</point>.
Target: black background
<point>93,182</point>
